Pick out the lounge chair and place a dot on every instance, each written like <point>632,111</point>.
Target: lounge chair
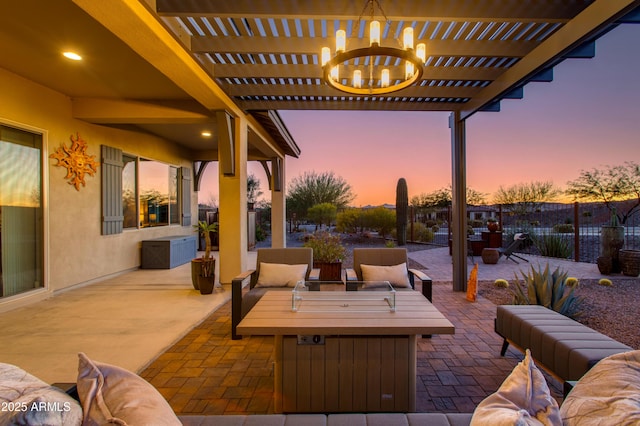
<point>387,257</point>
<point>280,274</point>
<point>508,252</point>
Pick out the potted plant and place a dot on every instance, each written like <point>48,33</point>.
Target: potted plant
<point>203,269</point>
<point>492,224</point>
<point>328,253</point>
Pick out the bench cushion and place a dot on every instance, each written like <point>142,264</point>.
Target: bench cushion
<point>564,346</point>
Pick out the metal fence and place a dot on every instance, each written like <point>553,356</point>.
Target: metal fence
<point>569,231</point>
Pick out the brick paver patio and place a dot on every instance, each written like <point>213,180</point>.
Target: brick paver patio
<point>208,373</point>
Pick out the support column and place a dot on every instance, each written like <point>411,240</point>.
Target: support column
<point>458,201</point>
<point>232,133</point>
<point>278,204</point>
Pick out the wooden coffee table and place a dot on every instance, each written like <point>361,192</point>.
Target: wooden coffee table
<point>347,357</point>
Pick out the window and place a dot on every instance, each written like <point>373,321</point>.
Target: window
<point>158,188</point>
<point>142,193</point>
<point>129,194</point>
<point>21,213</point>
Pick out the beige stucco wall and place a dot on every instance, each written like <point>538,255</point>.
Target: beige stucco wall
<point>76,252</point>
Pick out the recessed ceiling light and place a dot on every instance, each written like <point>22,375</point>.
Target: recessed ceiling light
<point>72,55</point>
<point>206,134</point>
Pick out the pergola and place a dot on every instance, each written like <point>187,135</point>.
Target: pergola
<point>171,66</point>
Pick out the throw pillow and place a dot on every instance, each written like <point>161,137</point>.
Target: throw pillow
<point>27,400</point>
<point>522,399</point>
<point>396,274</point>
<point>280,275</point>
<point>608,393</point>
<point>111,394</point>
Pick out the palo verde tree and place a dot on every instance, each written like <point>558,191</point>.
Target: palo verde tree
<point>380,219</point>
<point>323,214</point>
<point>313,188</point>
<point>523,198</point>
<point>610,185</point>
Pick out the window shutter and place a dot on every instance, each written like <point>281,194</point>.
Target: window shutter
<point>185,176</point>
<point>112,216</point>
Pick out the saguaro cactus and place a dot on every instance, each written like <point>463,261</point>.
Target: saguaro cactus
<point>402,206</point>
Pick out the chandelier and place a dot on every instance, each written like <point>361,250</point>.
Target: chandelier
<point>377,70</point>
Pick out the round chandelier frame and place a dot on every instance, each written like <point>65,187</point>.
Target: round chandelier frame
<point>413,60</point>
<point>375,50</point>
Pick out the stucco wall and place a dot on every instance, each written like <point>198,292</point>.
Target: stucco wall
<point>77,253</point>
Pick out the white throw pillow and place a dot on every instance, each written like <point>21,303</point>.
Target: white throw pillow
<point>280,275</point>
<point>396,274</point>
<point>607,393</point>
<point>522,399</point>
<point>111,394</point>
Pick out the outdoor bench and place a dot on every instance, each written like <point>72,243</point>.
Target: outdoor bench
<point>563,347</point>
<point>347,419</point>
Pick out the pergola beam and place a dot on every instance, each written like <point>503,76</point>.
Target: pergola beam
<point>458,10</point>
<point>595,19</point>
<point>310,46</point>
<point>312,71</point>
<point>348,105</point>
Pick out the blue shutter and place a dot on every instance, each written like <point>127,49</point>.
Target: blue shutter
<point>185,194</point>
<point>112,215</point>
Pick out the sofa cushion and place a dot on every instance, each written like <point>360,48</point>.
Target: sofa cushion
<point>27,400</point>
<point>522,399</point>
<point>111,394</point>
<point>396,274</point>
<point>610,390</point>
<point>280,274</point>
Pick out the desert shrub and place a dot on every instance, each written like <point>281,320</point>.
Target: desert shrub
<point>422,233</point>
<point>563,228</point>
<point>549,289</point>
<point>380,219</point>
<point>430,223</point>
<point>553,245</point>
<point>349,221</point>
<point>476,223</point>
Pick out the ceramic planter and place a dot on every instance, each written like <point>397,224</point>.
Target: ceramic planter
<point>206,284</point>
<point>630,262</point>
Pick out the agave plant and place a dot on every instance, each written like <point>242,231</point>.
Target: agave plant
<point>549,289</point>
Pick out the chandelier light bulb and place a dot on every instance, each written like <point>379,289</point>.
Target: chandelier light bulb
<point>335,73</point>
<point>421,52</point>
<point>326,55</point>
<point>384,80</point>
<point>407,38</point>
<point>341,40</point>
<point>408,70</point>
<point>357,79</point>
<point>374,33</point>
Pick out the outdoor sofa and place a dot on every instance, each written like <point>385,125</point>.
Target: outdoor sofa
<point>110,394</point>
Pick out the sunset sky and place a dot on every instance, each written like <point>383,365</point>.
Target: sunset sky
<point>587,117</point>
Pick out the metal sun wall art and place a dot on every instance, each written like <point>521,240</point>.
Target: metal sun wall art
<point>76,161</point>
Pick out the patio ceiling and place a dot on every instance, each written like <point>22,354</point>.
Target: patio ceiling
<point>265,55</point>
<point>166,66</point>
